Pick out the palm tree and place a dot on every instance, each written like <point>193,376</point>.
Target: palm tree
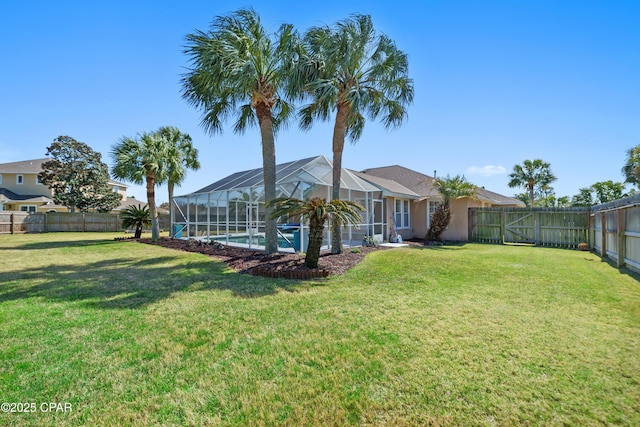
<point>530,175</point>
<point>316,211</point>
<point>181,156</point>
<point>136,216</point>
<point>357,72</point>
<point>238,69</point>
<point>631,168</point>
<point>142,159</point>
<point>450,189</point>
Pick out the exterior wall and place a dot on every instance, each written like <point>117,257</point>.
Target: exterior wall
<point>419,219</point>
<point>417,216</point>
<point>458,229</point>
<point>120,190</point>
<point>30,187</point>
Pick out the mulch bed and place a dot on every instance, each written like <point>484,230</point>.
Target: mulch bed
<point>285,265</point>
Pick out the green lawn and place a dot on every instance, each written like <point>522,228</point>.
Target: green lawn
<point>132,334</point>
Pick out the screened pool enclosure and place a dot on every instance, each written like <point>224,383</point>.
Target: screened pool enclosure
<point>232,211</point>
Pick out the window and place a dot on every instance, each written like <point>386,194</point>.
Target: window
<point>19,179</point>
<point>38,180</point>
<point>0,179</point>
<point>115,188</point>
<point>28,208</point>
<point>401,216</point>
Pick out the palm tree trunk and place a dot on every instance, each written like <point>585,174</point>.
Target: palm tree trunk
<point>269,171</point>
<point>531,195</point>
<point>170,187</point>
<point>339,132</point>
<point>151,200</point>
<point>316,229</point>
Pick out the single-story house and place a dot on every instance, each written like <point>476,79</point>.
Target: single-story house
<point>395,200</point>
<point>413,214</point>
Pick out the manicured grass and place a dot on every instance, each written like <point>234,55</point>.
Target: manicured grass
<point>133,334</point>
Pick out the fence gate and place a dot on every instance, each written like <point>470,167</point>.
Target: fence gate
<point>559,227</point>
<point>519,227</point>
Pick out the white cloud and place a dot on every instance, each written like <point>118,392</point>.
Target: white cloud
<point>488,170</point>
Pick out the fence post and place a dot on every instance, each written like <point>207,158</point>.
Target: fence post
<point>12,225</point>
<point>603,231</point>
<point>621,237</point>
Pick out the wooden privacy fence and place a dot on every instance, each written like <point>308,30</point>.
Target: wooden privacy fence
<point>557,227</point>
<point>615,231</point>
<point>23,222</point>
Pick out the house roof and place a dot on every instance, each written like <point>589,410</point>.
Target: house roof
<point>497,199</point>
<point>315,170</point>
<point>10,196</point>
<point>388,187</point>
<point>25,166</point>
<point>35,166</point>
<point>417,182</point>
<point>423,185</point>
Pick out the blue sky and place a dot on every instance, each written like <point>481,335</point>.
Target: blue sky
<point>496,82</point>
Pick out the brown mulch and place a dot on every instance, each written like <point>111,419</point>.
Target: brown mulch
<point>245,260</point>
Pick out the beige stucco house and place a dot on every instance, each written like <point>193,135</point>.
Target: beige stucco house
<point>21,190</point>
<point>411,207</point>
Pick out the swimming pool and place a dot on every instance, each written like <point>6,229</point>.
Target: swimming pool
<point>255,240</point>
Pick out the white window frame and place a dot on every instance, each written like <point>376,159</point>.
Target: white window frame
<point>402,216</point>
<point>38,182</point>
<point>0,178</point>
<point>29,208</point>
<point>19,179</point>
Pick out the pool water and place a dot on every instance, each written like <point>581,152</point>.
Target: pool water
<point>256,240</point>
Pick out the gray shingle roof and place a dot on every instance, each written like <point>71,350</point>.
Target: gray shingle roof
<point>423,185</point>
<point>417,182</point>
<point>388,187</point>
<point>497,199</point>
<point>25,166</point>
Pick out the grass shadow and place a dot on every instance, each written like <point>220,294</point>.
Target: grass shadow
<point>123,283</point>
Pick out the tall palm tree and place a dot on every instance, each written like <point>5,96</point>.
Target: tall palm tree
<point>357,72</point>
<point>531,174</point>
<point>239,70</point>
<point>316,211</point>
<point>450,189</point>
<point>181,155</point>
<point>139,160</point>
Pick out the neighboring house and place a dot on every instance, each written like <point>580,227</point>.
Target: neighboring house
<point>397,200</point>
<point>21,190</point>
<point>412,215</point>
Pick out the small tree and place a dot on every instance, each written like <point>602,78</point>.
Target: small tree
<point>316,211</point>
<point>450,189</point>
<point>136,216</point>
<point>600,192</point>
<point>532,175</point>
<point>631,168</point>
<point>78,177</point>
